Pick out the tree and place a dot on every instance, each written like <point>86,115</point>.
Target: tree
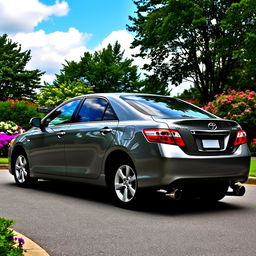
<point>15,80</point>
<point>105,70</point>
<point>51,95</point>
<point>201,41</point>
<point>152,84</point>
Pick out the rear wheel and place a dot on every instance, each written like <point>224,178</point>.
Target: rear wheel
<point>214,193</point>
<point>21,171</point>
<point>123,183</point>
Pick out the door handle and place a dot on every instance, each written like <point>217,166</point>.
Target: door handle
<point>105,130</point>
<point>61,133</point>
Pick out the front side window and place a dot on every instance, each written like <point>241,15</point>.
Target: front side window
<point>95,109</point>
<point>63,114</point>
<point>165,107</point>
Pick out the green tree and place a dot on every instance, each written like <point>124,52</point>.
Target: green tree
<point>202,41</point>
<point>152,84</point>
<point>15,80</point>
<point>107,70</point>
<point>51,95</point>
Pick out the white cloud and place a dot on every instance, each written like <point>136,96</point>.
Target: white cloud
<point>25,15</point>
<point>125,40</point>
<point>49,51</point>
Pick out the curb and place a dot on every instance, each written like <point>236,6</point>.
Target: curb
<point>251,181</point>
<point>32,249</point>
<point>4,166</point>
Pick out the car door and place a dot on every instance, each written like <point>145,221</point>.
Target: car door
<point>89,137</point>
<point>47,154</point>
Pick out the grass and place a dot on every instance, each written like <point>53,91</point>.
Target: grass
<point>3,160</point>
<point>252,168</point>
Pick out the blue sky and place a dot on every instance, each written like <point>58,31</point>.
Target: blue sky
<point>96,17</point>
<point>60,30</point>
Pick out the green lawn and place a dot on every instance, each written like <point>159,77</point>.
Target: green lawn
<point>252,169</point>
<point>3,160</point>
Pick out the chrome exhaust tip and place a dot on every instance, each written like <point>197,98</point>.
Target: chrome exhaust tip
<point>175,194</point>
<point>238,190</point>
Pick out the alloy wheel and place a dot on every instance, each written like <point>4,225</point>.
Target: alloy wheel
<point>21,172</point>
<point>125,183</point>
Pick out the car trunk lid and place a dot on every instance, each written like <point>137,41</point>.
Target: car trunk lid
<point>205,136</point>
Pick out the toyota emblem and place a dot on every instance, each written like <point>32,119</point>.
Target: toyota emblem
<point>212,126</point>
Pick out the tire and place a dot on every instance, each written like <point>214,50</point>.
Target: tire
<point>21,171</point>
<point>215,193</point>
<point>123,183</point>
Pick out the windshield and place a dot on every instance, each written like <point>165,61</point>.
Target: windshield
<point>165,107</point>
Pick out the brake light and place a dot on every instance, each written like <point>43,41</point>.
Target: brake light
<point>164,136</point>
<point>241,138</point>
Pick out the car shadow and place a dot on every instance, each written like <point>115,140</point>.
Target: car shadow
<point>149,202</point>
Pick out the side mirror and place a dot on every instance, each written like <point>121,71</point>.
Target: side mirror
<point>36,122</point>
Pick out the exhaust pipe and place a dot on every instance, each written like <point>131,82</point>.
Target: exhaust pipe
<point>237,191</point>
<point>175,194</point>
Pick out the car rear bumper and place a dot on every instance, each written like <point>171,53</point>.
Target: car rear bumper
<point>168,171</point>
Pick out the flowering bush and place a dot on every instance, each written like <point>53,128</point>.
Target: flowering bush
<point>10,127</point>
<point>238,106</point>
<point>252,146</point>
<point>19,111</point>
<point>8,131</point>
<point>9,244</point>
<point>195,102</point>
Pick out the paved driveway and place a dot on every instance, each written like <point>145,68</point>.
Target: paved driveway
<point>76,220</point>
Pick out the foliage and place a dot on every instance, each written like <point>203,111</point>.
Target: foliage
<point>152,84</point>
<point>105,70</point>
<point>15,80</point>
<point>51,95</point>
<point>8,131</point>
<point>10,127</point>
<point>18,111</point>
<point>191,95</point>
<point>252,147</point>
<point>236,105</point>
<point>9,244</point>
<point>205,42</point>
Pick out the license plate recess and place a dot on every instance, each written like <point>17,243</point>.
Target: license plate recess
<point>211,144</point>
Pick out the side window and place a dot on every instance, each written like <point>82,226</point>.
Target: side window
<point>109,114</point>
<point>63,114</point>
<point>95,109</point>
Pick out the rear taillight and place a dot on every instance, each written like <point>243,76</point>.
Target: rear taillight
<point>164,136</point>
<point>241,138</point>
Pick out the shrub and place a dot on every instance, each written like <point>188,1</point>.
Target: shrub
<point>10,128</point>
<point>9,244</point>
<point>18,111</point>
<point>252,146</point>
<point>51,95</point>
<point>238,106</point>
<point>8,131</point>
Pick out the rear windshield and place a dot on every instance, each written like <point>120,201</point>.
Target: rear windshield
<point>164,107</point>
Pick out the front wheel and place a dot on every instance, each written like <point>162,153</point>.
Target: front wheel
<point>123,183</point>
<point>21,171</point>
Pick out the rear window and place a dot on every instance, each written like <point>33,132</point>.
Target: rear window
<point>164,107</point>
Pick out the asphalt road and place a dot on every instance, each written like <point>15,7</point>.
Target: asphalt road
<point>76,220</point>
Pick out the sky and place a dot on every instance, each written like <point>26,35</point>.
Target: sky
<point>59,30</point>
